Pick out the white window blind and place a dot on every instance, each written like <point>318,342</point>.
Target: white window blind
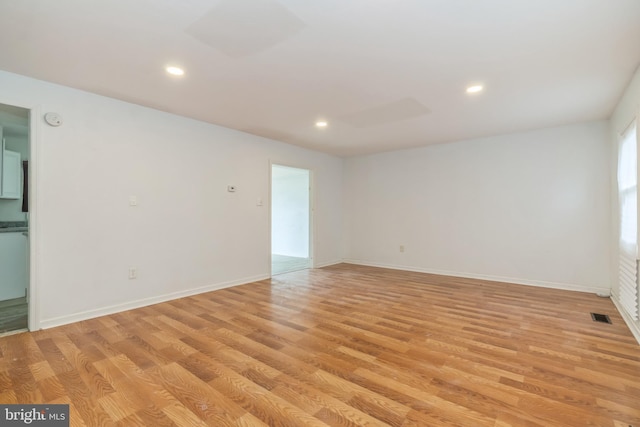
<point>628,199</point>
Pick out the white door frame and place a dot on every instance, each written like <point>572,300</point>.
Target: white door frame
<point>312,233</point>
<point>35,113</point>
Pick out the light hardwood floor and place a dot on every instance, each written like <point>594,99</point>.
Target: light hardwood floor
<point>341,346</point>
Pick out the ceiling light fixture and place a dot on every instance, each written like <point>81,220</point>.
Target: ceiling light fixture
<point>321,124</point>
<point>475,89</point>
<point>175,71</point>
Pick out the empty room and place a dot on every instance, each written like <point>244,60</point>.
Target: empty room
<point>319,213</point>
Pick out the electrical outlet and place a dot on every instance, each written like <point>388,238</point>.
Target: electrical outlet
<point>133,273</point>
<point>401,248</point>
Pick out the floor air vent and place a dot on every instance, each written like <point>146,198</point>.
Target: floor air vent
<point>597,317</point>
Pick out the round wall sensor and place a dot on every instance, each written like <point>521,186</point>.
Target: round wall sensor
<point>53,119</point>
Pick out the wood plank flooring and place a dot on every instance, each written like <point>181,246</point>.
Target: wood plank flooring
<point>339,346</point>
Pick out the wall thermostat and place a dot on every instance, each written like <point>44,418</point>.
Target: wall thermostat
<point>53,119</point>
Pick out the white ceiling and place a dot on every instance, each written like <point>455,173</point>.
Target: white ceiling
<point>385,74</point>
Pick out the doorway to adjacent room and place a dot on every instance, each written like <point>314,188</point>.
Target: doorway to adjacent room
<point>290,219</point>
<point>14,218</point>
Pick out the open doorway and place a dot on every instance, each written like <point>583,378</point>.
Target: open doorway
<point>14,218</point>
<point>290,219</point>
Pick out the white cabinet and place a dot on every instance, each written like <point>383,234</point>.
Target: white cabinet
<point>10,173</point>
<point>13,265</point>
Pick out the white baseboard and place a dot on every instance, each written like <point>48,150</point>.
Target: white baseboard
<point>538,283</point>
<point>634,327</point>
<point>103,311</point>
<point>327,264</point>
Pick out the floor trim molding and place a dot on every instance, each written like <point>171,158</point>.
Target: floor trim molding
<point>633,326</point>
<point>328,263</point>
<point>90,314</point>
<point>538,283</point>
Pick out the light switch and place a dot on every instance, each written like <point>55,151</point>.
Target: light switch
<point>133,201</point>
<point>259,202</point>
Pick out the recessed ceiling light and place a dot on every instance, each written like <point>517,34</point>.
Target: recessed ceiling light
<point>475,89</point>
<point>321,124</point>
<point>175,71</point>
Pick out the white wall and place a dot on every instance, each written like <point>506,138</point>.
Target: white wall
<point>290,211</point>
<point>625,111</point>
<point>529,208</point>
<point>187,235</point>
